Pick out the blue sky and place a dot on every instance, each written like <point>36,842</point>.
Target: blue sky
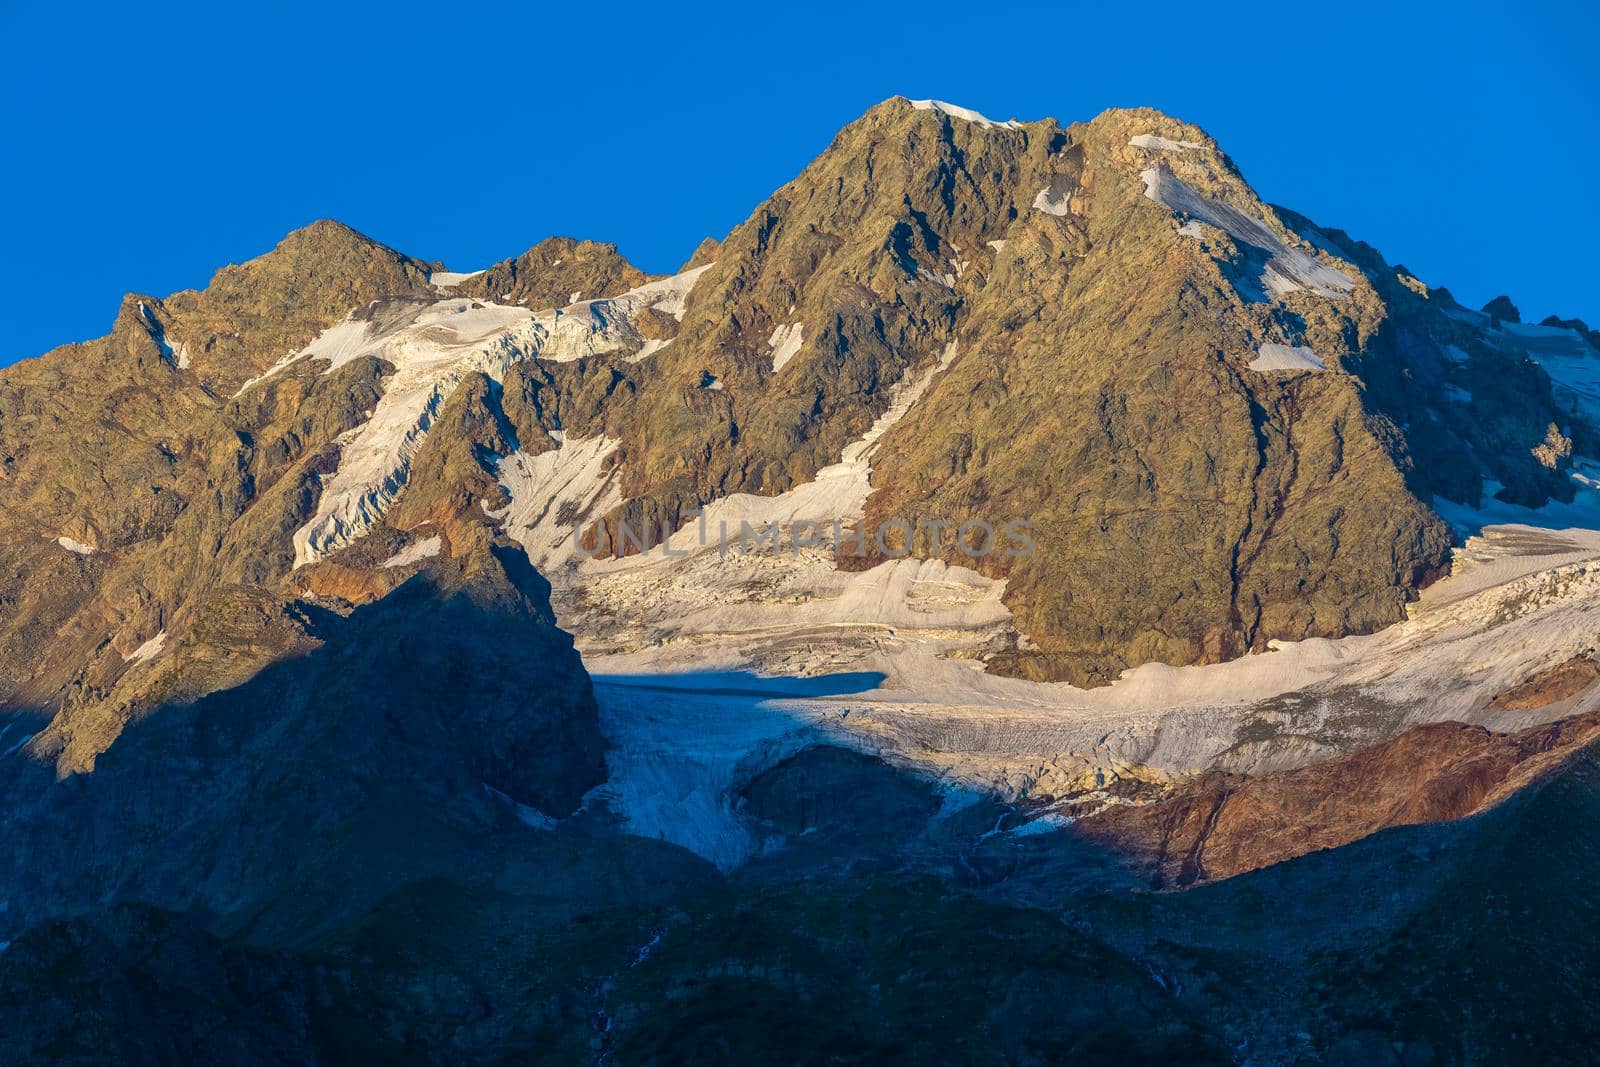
<point>146,145</point>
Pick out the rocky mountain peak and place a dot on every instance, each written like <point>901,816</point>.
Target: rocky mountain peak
<point>554,273</point>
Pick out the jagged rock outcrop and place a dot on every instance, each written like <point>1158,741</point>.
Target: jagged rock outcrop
<point>1502,309</point>
<point>554,273</point>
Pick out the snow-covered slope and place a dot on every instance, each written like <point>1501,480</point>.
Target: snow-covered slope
<point>704,609</point>
<point>965,114</point>
<point>433,348</point>
<point>1521,600</point>
<point>1287,268</point>
<point>1287,357</point>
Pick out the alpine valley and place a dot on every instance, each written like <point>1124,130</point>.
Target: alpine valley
<point>380,680</point>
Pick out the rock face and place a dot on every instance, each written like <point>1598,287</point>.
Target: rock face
<point>1225,825</point>
<point>129,446</point>
<point>1560,682</point>
<point>1109,290</point>
<point>160,656</point>
<point>1187,507</point>
<point>454,695</point>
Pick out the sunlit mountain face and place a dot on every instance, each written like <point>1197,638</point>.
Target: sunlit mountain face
<point>1017,596</point>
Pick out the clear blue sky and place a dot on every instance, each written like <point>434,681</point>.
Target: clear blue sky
<point>145,145</point>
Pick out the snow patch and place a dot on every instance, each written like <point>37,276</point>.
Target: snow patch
<point>785,342</point>
<point>1044,824</point>
<point>75,546</point>
<point>1275,357</point>
<point>1055,198</point>
<point>966,114</point>
<point>527,815</point>
<point>1573,366</point>
<point>670,296</point>
<point>427,548</point>
<point>1467,315</point>
<point>1552,340</point>
<point>339,344</point>
<point>1287,269</point>
<point>147,651</point>
<point>1162,144</point>
<point>446,279</point>
<point>1581,512</point>
<point>998,246</point>
<point>176,354</point>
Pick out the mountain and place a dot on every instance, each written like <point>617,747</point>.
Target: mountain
<point>1188,501</point>
<point>837,638</point>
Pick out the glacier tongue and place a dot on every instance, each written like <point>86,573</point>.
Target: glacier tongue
<point>677,756</point>
<point>1520,601</point>
<point>432,356</point>
<point>553,491</point>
